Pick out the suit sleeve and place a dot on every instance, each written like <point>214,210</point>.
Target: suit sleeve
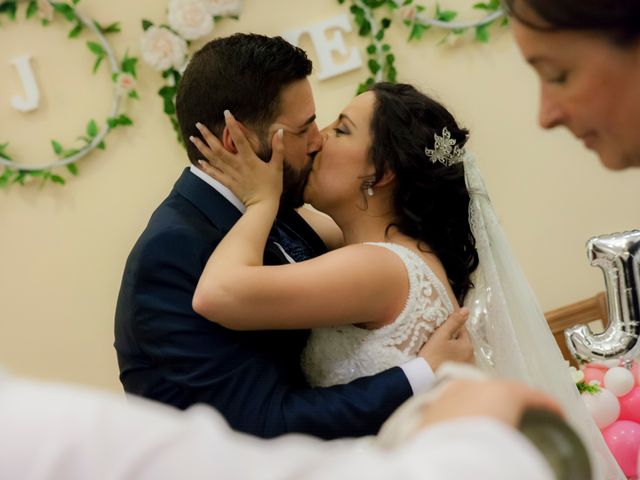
<point>245,375</point>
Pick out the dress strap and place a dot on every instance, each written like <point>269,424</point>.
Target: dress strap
<point>415,265</point>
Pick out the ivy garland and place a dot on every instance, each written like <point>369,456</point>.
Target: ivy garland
<point>381,61</point>
<point>123,77</point>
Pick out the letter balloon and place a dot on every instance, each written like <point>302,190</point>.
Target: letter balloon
<point>618,256</point>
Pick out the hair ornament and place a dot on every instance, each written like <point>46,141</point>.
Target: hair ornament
<point>445,150</point>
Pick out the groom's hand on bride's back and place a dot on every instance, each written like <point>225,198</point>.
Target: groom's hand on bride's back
<point>450,342</point>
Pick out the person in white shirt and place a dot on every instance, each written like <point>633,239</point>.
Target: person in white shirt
<point>57,432</point>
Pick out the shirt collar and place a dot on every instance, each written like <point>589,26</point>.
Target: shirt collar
<point>218,187</point>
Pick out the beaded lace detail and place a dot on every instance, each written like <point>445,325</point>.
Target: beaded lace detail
<point>337,355</point>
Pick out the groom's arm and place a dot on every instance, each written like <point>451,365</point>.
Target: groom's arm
<point>355,409</point>
<point>360,407</point>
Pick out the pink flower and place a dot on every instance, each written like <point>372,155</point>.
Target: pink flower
<point>408,13</point>
<point>125,83</point>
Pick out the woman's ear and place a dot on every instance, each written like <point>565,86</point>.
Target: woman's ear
<point>388,178</point>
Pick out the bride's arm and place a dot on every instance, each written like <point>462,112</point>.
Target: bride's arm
<point>358,284</point>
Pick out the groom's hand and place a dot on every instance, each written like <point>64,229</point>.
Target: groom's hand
<point>450,342</point>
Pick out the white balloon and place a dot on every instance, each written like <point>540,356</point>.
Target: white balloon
<point>603,406</point>
<point>619,381</point>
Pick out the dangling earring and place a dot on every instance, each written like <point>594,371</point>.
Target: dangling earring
<point>370,191</point>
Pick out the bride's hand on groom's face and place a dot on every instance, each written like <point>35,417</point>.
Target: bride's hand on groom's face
<point>251,179</point>
<point>450,342</point>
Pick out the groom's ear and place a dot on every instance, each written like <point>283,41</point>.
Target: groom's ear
<point>227,141</point>
<point>229,144</point>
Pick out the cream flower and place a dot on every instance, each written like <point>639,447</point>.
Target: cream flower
<point>125,83</point>
<point>577,375</point>
<point>224,8</point>
<point>45,10</point>
<point>190,18</point>
<point>162,49</point>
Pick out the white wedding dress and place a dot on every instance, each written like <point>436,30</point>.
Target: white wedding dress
<point>338,355</point>
<point>511,336</point>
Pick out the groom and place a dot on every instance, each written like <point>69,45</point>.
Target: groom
<point>165,350</point>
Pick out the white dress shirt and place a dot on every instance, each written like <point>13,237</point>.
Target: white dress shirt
<point>418,372</point>
<point>58,432</point>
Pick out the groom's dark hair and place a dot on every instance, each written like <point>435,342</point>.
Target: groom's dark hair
<point>243,73</point>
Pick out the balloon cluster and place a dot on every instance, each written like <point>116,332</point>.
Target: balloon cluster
<point>611,392</point>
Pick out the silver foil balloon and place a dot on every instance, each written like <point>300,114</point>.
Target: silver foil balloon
<point>618,255</point>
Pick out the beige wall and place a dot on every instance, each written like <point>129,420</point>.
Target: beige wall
<point>63,249</point>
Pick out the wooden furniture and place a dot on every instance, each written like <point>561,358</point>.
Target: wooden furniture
<point>585,311</point>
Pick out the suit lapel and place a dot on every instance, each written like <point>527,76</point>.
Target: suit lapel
<point>218,210</point>
<point>221,213</point>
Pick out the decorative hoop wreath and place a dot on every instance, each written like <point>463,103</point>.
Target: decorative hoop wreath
<point>123,75</point>
<point>417,19</point>
<point>165,47</point>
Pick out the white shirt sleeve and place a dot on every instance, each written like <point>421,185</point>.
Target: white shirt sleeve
<point>420,375</point>
<point>55,432</point>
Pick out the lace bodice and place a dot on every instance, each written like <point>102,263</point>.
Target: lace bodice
<point>337,355</point>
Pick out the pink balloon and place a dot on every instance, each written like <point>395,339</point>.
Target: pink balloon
<point>623,439</point>
<point>630,405</point>
<point>594,371</point>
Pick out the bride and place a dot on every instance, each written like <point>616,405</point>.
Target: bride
<point>391,176</point>
<point>420,236</point>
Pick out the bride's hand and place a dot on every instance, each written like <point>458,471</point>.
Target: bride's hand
<point>251,179</point>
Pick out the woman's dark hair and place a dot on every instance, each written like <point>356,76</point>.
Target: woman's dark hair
<point>431,201</point>
<point>618,20</point>
<point>243,73</point>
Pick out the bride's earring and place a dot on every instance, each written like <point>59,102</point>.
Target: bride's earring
<point>370,191</point>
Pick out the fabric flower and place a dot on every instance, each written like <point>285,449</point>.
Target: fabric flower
<point>163,49</point>
<point>190,18</point>
<point>125,83</point>
<point>45,10</point>
<point>224,8</point>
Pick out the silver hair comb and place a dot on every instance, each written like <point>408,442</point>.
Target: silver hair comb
<point>445,150</point>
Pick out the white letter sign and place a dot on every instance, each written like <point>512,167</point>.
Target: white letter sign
<point>32,99</point>
<point>326,46</point>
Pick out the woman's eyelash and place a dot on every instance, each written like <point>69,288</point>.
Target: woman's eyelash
<point>558,78</point>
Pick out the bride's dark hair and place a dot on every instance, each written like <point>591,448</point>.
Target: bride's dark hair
<point>431,201</point>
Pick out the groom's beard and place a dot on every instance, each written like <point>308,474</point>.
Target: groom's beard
<point>294,181</point>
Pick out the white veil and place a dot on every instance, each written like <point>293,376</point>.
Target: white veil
<point>509,331</point>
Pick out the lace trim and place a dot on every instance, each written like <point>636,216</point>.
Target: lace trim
<point>422,312</point>
<point>337,355</point>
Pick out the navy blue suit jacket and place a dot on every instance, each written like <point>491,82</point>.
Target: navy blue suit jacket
<point>168,353</point>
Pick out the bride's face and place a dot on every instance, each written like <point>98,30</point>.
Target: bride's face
<point>339,168</point>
